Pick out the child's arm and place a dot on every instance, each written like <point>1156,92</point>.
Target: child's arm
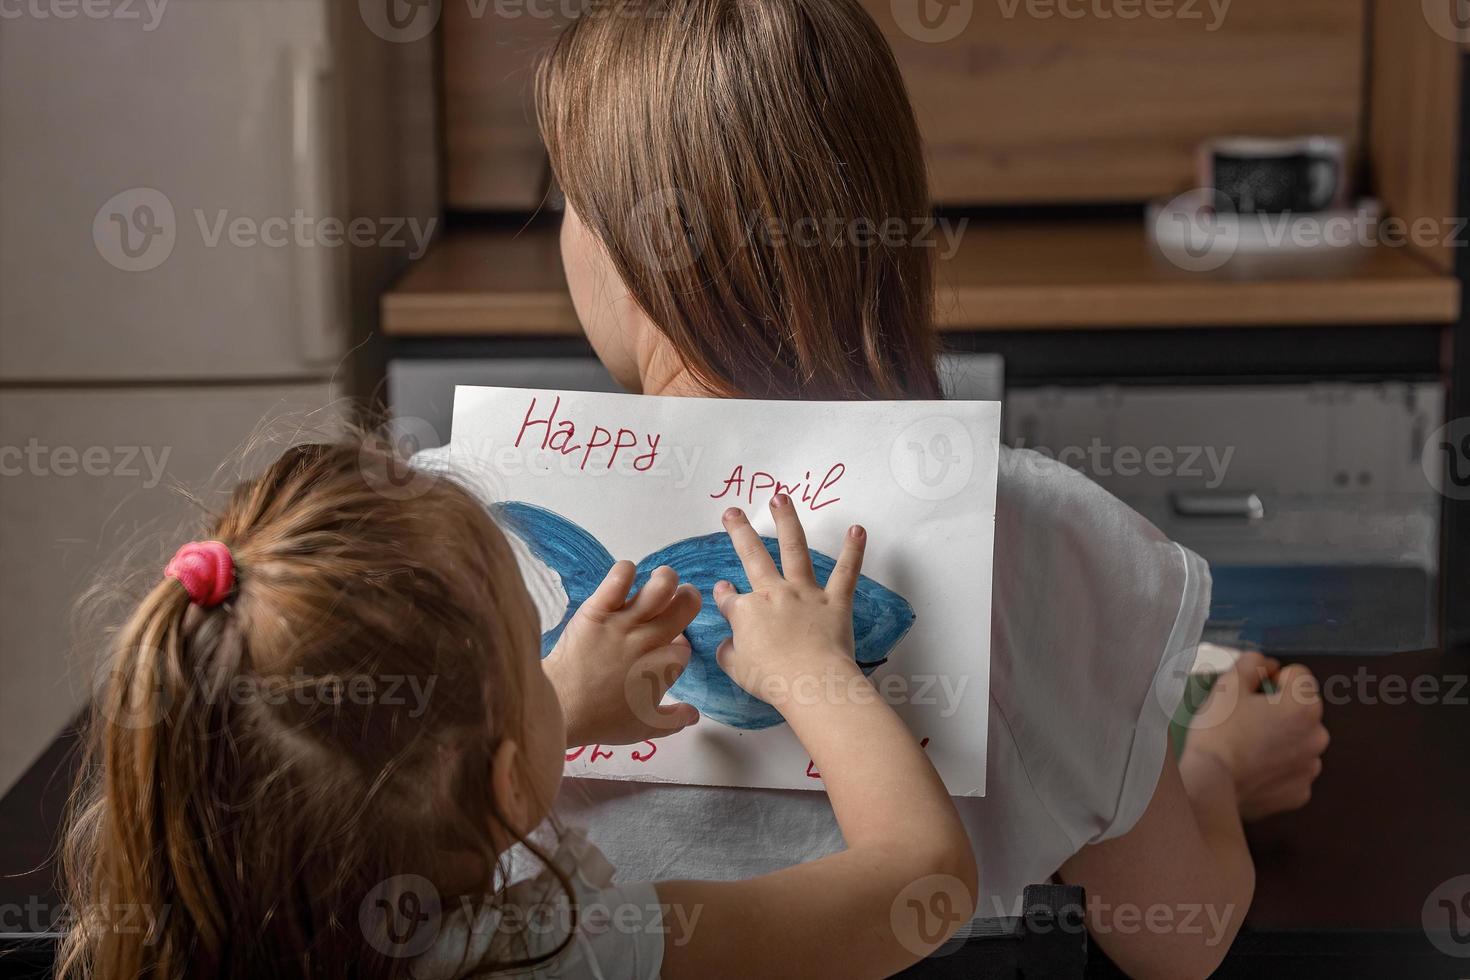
<point>907,879</point>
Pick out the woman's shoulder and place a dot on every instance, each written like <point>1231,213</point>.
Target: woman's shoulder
<point>1096,619</point>
<point>1036,485</point>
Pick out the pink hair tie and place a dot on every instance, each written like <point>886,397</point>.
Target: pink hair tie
<point>205,569</point>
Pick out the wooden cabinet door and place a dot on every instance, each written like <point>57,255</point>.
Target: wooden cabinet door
<point>1020,101</point>
<point>1057,101</point>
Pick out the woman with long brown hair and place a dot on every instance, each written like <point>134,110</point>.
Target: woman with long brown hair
<point>745,205</point>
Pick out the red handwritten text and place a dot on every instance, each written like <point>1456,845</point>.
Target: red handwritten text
<point>805,490</point>
<point>561,435</point>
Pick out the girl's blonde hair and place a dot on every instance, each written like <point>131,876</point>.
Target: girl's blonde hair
<point>754,171</point>
<point>271,780</point>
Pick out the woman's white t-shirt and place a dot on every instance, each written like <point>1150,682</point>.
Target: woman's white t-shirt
<point>1096,618</point>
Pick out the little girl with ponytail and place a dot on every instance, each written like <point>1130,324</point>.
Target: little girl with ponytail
<point>327,731</point>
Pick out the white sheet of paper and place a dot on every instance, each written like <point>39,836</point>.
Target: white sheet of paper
<point>647,478</point>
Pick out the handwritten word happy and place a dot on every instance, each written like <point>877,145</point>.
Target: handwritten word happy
<point>561,435</point>
<point>803,490</point>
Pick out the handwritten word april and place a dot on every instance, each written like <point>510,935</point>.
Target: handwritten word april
<point>806,490</point>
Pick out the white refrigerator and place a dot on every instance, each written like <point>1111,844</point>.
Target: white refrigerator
<point>165,171</point>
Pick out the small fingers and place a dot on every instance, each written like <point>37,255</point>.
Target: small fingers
<point>725,595</point>
<point>668,626</point>
<point>796,559</point>
<point>674,718</point>
<point>612,593</point>
<point>655,595</point>
<point>759,567</point>
<point>849,567</point>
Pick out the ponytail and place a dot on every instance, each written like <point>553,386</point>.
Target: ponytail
<point>143,868</point>
<point>233,819</point>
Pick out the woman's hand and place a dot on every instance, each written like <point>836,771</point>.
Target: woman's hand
<point>1272,742</point>
<point>618,657</point>
<point>788,630</point>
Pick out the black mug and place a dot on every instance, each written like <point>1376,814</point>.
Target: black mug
<point>1274,176</point>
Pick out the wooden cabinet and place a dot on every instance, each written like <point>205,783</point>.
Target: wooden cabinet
<point>493,158</point>
<point>1029,103</point>
<point>1063,108</point>
<point>1046,275</point>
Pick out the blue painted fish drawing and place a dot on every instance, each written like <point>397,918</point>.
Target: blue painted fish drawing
<point>880,616</point>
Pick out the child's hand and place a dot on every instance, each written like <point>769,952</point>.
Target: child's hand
<point>788,630</point>
<point>1272,742</point>
<point>616,659</point>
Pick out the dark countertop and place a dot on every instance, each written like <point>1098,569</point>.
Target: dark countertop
<point>1389,820</point>
<point>1342,884</point>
